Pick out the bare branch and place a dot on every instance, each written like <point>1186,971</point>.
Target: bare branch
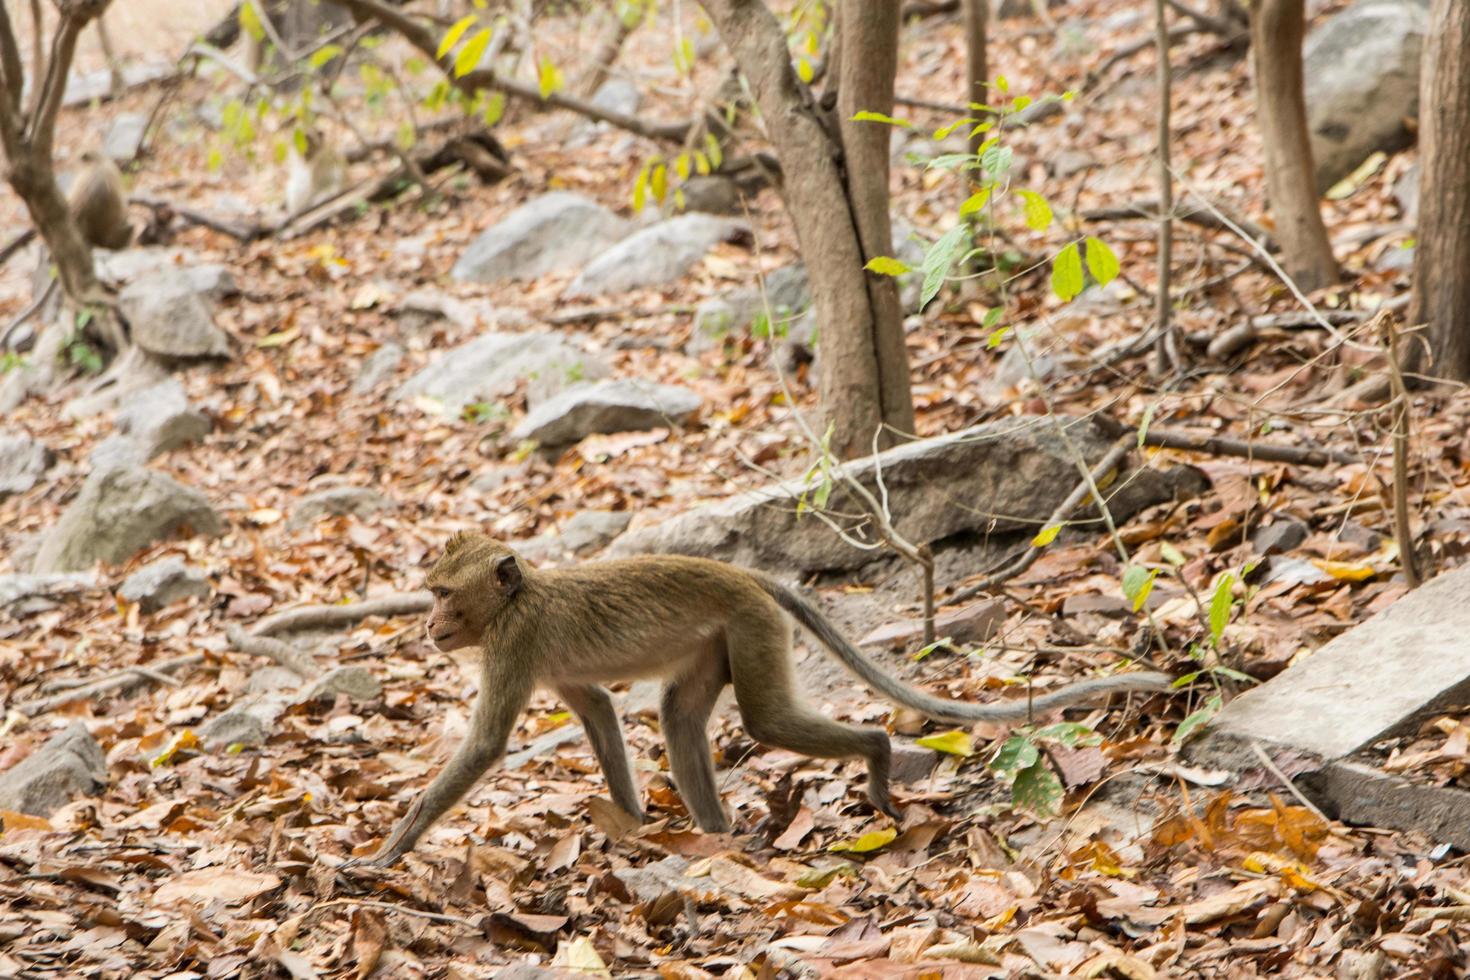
<point>12,75</point>
<point>319,617</point>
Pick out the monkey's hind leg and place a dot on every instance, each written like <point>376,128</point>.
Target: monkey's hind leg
<point>683,713</point>
<point>594,707</point>
<point>765,686</point>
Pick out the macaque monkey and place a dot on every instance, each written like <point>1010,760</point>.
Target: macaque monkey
<point>697,624</point>
<point>315,176</point>
<point>98,204</point>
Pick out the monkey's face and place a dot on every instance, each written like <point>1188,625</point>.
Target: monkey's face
<point>470,582</point>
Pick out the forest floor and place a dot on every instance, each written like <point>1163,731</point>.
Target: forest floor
<point>214,864</point>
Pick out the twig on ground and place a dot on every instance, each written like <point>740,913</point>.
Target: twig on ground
<point>301,664</point>
<point>1401,526</point>
<point>327,617</point>
<point>1267,452</point>
<point>105,685</point>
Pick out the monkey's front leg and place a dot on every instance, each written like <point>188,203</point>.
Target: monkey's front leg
<point>503,694</point>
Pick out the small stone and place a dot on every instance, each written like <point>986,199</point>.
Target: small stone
<point>974,623</point>
<point>170,318</point>
<point>237,726</point>
<point>159,418</point>
<point>555,232</point>
<point>492,366</point>
<point>711,194</point>
<point>358,683</point>
<point>23,461</point>
<point>124,137</point>
<point>1097,604</point>
<point>1365,538</point>
<point>1281,535</point>
<point>911,763</point>
<point>379,367</point>
<point>162,583</point>
<point>617,95</point>
<point>359,502</point>
<point>590,530</point>
<point>607,406</point>
<point>70,764</point>
<point>654,256</point>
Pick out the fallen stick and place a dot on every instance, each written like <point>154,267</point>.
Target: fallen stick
<point>104,685</point>
<point>1225,446</point>
<point>300,664</point>
<point>314,617</point>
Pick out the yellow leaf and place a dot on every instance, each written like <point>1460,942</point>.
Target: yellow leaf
<point>1046,536</point>
<point>181,742</point>
<point>11,820</point>
<point>452,36</point>
<point>1293,873</point>
<point>956,742</point>
<point>1345,571</point>
<point>872,841</point>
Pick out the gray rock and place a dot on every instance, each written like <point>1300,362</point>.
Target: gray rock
<point>70,764</point>
<point>206,278</point>
<point>162,583</point>
<point>424,306</point>
<point>117,450</point>
<point>171,318</point>
<point>555,232</point>
<point>125,137</point>
<point>23,461</point>
<point>489,368</point>
<point>378,367</point>
<point>590,530</point>
<point>159,418</point>
<point>654,256</point>
<point>711,194</point>
<point>336,502</point>
<point>787,294</point>
<point>1406,193</point>
<point>911,763</point>
<point>1362,83</point>
<point>607,406</point>
<point>1375,680</point>
<point>358,683</point>
<point>1283,534</point>
<point>14,588</point>
<point>492,478</point>
<point>617,95</point>
<point>117,513</point>
<point>239,725</point>
<point>1020,468</point>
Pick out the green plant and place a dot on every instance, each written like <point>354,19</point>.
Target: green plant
<point>1020,761</point>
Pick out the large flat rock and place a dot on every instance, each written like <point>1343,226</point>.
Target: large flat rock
<point>1000,477</point>
<point>1376,680</point>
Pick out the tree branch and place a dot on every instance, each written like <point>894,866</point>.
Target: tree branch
<point>316,617</point>
<point>12,75</point>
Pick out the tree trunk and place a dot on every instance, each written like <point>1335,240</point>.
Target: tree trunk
<point>866,83</point>
<point>976,68</point>
<point>1277,28</point>
<point>841,219</point>
<point>1442,257</point>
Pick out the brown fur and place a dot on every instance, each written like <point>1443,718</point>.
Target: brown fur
<point>98,203</point>
<point>697,624</point>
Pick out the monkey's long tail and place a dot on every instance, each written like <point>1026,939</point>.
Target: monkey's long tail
<point>943,709</point>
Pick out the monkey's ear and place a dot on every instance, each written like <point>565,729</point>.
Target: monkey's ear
<point>508,574</point>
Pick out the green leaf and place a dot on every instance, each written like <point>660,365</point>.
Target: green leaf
<point>878,117</point>
<point>1038,212</point>
<point>1066,273</point>
<point>715,151</point>
<point>1037,789</point>
<point>323,55</point>
<point>1020,102</point>
<point>250,21</point>
<point>469,55</point>
<point>1015,754</point>
<point>1197,720</point>
<point>992,317</point>
<point>996,336</point>
<point>939,258</point>
<point>640,189</point>
<point>451,37</point>
<point>1101,261</point>
<point>944,131</point>
<point>658,182</point>
<point>1046,536</point>
<point>975,202</point>
<point>1171,554</point>
<point>873,840</point>
<point>406,136</point>
<point>955,742</point>
<point>953,161</point>
<point>682,165</point>
<point>1138,582</point>
<point>996,160</point>
<point>1002,83</point>
<point>1220,605</point>
<point>885,265</point>
<point>494,108</point>
<point>943,641</point>
<point>1148,417</point>
<point>548,78</point>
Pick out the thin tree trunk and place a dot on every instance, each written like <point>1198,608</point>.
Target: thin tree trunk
<point>1277,29</point>
<point>1442,256</point>
<point>856,358</point>
<point>976,68</point>
<point>866,83</point>
<point>1166,350</point>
